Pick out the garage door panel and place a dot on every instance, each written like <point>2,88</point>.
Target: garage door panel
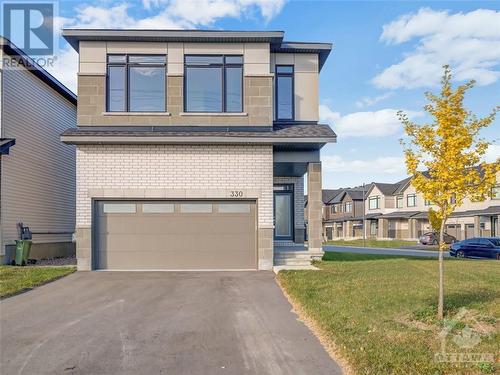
<point>175,240</point>
<point>189,260</point>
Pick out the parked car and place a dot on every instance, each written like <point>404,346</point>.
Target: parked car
<point>483,247</point>
<point>432,238</point>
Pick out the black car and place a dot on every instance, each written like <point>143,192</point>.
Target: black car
<point>484,247</point>
<point>432,238</point>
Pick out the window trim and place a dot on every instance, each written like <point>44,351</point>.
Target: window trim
<point>222,65</point>
<point>399,198</point>
<point>415,200</point>
<point>493,196</point>
<point>126,65</point>
<point>276,76</point>
<point>376,198</point>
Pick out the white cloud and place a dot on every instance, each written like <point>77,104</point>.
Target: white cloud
<point>364,124</point>
<point>388,165</point>
<point>164,14</point>
<point>492,154</point>
<point>468,42</point>
<point>368,101</point>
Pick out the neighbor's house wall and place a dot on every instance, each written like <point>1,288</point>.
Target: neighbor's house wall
<point>306,82</point>
<point>257,86</point>
<point>298,204</point>
<point>38,175</point>
<point>170,172</point>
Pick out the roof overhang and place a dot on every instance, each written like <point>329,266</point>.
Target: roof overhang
<point>322,49</point>
<point>74,36</point>
<point>274,38</point>
<point>6,144</point>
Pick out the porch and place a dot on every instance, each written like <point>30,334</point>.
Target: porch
<point>294,172</point>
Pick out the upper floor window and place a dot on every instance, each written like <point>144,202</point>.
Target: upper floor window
<point>399,201</point>
<point>332,209</point>
<point>374,202</point>
<point>213,83</point>
<point>495,192</point>
<point>427,202</point>
<point>411,200</point>
<point>284,92</point>
<point>348,207</point>
<point>453,199</point>
<point>136,83</point>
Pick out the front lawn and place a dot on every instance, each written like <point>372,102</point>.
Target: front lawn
<point>379,311</point>
<point>14,280</point>
<point>376,243</point>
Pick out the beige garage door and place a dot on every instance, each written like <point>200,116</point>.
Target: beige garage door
<point>176,235</point>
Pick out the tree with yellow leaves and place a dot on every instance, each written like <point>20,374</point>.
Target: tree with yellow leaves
<point>450,149</point>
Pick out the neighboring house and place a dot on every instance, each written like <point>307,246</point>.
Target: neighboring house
<point>192,148</point>
<point>37,170</point>
<point>397,211</point>
<point>343,216</point>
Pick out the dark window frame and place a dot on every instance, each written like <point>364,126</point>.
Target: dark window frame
<point>375,198</point>
<point>292,76</point>
<point>126,78</point>
<point>399,201</point>
<point>222,65</point>
<point>288,189</point>
<point>414,196</point>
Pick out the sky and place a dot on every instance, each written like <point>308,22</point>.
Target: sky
<point>385,55</point>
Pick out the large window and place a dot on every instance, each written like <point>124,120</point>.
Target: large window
<point>213,83</point>
<point>284,92</point>
<point>374,202</point>
<point>136,83</point>
<point>411,200</point>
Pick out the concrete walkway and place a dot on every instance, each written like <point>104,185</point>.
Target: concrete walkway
<point>158,323</point>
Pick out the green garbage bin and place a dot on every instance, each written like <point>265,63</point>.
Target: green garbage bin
<point>23,248</point>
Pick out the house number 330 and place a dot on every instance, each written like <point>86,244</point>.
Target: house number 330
<point>236,194</point>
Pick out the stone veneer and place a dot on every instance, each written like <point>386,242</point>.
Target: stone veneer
<point>257,106</point>
<point>174,172</point>
<point>315,204</point>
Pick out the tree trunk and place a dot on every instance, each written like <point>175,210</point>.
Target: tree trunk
<point>442,247</point>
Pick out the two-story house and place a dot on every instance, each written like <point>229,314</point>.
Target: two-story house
<point>343,216</point>
<point>192,148</point>
<point>398,211</point>
<point>37,171</point>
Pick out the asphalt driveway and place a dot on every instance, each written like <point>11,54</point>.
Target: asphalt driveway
<point>158,323</point>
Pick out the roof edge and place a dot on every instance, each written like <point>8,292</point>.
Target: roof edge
<point>12,50</point>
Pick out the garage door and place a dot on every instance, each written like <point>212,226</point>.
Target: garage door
<point>176,235</point>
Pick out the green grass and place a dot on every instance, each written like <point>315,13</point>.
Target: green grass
<point>377,243</point>
<point>379,311</point>
<point>14,280</point>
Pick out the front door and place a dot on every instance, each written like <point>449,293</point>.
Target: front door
<point>283,212</point>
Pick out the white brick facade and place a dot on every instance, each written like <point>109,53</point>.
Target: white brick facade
<point>203,171</point>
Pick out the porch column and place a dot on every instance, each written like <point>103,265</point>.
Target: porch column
<point>412,228</point>
<point>477,226</point>
<point>349,232</point>
<point>314,203</point>
<point>383,227</point>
